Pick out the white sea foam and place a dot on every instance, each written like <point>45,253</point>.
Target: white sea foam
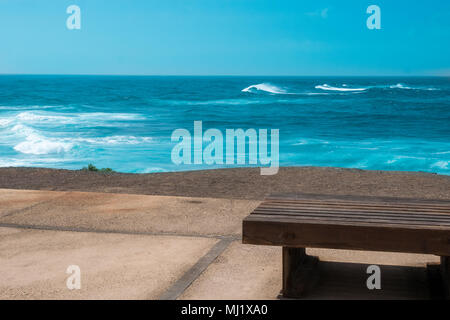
<point>265,87</point>
<point>25,107</point>
<point>316,93</point>
<point>154,170</point>
<point>405,87</point>
<point>23,130</point>
<point>37,144</point>
<point>441,164</point>
<point>111,116</point>
<point>241,102</point>
<point>232,102</point>
<point>28,140</point>
<point>4,122</point>
<point>112,140</point>
<point>346,89</point>
<point>35,117</point>
<point>400,86</point>
<point>40,146</point>
<point>303,142</point>
<point>71,118</point>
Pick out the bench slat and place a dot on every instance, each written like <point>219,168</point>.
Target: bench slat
<point>363,224</point>
<point>372,212</point>
<point>347,236</point>
<point>352,220</point>
<point>349,205</point>
<point>352,199</point>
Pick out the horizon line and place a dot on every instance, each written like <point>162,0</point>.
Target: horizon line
<point>212,75</point>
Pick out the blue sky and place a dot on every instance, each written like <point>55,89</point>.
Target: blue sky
<point>225,37</point>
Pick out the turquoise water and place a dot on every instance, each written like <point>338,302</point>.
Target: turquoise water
<point>126,122</point>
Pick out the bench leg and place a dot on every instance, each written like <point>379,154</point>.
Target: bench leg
<point>299,272</point>
<point>445,273</point>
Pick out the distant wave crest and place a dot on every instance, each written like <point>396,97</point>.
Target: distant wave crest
<point>273,89</point>
<point>342,89</point>
<point>400,86</point>
<point>264,87</point>
<point>405,87</point>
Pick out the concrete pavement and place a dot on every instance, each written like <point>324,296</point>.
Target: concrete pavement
<point>148,247</point>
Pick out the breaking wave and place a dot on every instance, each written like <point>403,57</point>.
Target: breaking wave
<point>40,146</point>
<point>342,89</point>
<point>265,87</point>
<point>37,144</point>
<point>19,132</point>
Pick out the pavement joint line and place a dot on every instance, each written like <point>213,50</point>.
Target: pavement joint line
<point>137,193</point>
<point>183,283</point>
<point>125,232</point>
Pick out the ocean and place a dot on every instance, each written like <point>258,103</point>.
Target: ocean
<point>126,122</point>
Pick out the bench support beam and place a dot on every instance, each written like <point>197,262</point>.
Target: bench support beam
<point>445,273</point>
<point>299,272</point>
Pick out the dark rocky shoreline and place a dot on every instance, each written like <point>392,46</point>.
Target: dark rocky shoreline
<point>240,183</point>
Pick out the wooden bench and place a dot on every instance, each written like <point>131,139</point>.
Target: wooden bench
<point>296,222</point>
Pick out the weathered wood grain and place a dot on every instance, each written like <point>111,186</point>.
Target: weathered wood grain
<point>364,223</point>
